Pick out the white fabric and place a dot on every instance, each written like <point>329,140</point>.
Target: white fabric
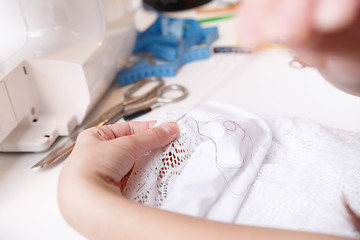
<point>224,147</point>
<point>215,180</point>
<point>303,171</point>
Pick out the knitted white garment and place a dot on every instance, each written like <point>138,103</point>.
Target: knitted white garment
<point>307,172</point>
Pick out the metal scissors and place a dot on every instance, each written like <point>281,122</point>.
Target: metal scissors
<point>131,107</point>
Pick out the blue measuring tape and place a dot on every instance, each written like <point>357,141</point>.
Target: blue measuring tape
<point>165,46</point>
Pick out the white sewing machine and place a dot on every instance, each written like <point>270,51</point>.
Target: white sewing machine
<point>57,58</point>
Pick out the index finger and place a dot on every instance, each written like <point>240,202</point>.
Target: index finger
<point>108,132</point>
<point>129,128</point>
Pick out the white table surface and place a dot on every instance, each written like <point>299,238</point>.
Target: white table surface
<point>262,83</point>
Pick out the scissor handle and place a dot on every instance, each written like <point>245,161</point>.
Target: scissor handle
<point>173,87</point>
<point>153,98</point>
<point>140,84</point>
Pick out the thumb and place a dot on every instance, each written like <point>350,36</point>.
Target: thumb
<point>151,139</point>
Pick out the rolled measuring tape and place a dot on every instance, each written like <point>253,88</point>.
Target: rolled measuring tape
<point>167,45</point>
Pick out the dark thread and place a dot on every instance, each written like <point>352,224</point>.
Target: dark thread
<point>218,166</point>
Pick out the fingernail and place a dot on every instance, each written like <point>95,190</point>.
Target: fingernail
<point>331,15</point>
<point>171,128</point>
<point>248,31</point>
<point>277,29</point>
<point>249,37</point>
<point>287,24</point>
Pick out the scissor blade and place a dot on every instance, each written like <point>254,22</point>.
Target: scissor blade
<point>110,116</point>
<point>60,153</point>
<point>139,113</point>
<point>56,155</point>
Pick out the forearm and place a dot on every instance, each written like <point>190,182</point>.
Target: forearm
<point>102,213</point>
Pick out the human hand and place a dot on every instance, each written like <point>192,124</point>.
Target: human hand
<point>91,176</point>
<point>323,33</point>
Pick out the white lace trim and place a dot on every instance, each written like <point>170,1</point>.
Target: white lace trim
<point>155,172</point>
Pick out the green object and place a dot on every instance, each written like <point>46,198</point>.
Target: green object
<point>216,18</point>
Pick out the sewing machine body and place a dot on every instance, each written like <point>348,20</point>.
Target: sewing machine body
<point>57,58</point>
